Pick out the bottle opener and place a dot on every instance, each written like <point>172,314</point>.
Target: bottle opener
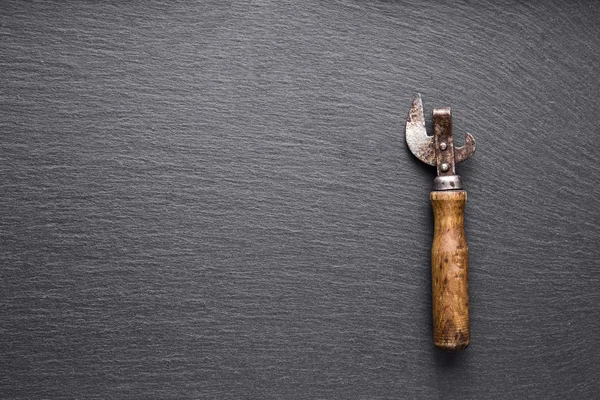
<point>449,252</point>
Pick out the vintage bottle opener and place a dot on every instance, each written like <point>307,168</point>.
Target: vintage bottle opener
<point>449,253</point>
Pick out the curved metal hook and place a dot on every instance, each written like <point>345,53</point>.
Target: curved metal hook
<point>419,143</point>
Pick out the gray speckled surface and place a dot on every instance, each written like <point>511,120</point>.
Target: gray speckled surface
<point>214,200</point>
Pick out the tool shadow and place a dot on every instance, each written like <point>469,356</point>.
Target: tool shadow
<point>445,359</point>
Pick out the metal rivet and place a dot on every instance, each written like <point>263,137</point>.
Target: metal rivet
<point>443,146</point>
<point>444,167</point>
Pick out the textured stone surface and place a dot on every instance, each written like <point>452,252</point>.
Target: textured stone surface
<point>214,201</point>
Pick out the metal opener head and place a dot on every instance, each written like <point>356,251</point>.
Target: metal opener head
<point>437,150</point>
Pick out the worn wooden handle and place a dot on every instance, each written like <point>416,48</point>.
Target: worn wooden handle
<point>449,271</point>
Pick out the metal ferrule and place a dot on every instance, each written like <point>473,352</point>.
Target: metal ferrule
<point>447,182</point>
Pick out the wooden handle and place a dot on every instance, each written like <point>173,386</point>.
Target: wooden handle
<point>449,271</point>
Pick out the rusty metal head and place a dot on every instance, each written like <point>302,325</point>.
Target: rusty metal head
<point>437,150</point>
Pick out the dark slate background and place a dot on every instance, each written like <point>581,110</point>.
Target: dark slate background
<point>215,200</point>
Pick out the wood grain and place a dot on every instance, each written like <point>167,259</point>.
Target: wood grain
<point>450,271</point>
